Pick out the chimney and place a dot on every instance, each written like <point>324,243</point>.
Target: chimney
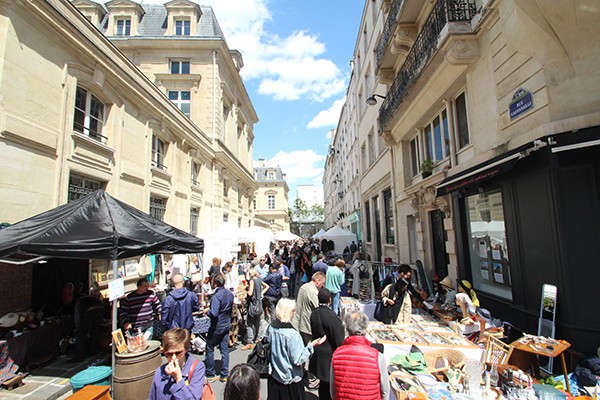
<point>261,162</point>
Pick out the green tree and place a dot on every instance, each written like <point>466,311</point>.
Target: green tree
<point>317,212</point>
<point>299,211</point>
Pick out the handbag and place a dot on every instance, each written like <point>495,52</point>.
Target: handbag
<point>260,357</point>
<point>378,314</point>
<point>207,392</point>
<point>255,309</point>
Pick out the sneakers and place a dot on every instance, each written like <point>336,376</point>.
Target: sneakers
<point>249,346</point>
<point>211,379</point>
<point>223,379</point>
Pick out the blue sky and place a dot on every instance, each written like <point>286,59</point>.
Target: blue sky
<point>297,57</point>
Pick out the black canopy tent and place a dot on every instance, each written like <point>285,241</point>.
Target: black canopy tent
<point>96,226</point>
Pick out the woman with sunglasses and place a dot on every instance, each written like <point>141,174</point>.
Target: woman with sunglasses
<point>182,377</point>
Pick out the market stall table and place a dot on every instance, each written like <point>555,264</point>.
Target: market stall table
<point>534,346</point>
<point>350,304</point>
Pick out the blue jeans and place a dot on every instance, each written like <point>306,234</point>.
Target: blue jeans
<point>220,339</point>
<point>335,302</point>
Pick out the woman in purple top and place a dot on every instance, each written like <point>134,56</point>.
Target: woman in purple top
<point>182,377</point>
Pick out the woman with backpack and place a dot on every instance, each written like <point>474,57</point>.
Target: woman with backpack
<point>254,311</point>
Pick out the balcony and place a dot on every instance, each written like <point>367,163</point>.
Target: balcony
<point>423,49</point>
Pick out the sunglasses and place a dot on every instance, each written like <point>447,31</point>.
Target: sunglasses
<point>170,354</point>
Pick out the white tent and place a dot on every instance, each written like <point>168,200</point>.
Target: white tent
<point>318,234</point>
<point>261,238</point>
<point>340,237</point>
<point>286,236</point>
<point>221,243</point>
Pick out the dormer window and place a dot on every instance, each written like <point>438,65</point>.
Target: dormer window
<point>123,27</point>
<point>182,27</point>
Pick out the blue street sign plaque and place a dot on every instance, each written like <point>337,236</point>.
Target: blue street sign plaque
<point>522,102</point>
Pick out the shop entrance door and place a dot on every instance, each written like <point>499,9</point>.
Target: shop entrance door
<point>438,239</point>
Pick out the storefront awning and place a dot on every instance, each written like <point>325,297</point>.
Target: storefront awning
<point>477,175</point>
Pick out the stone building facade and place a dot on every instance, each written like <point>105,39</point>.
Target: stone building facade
<point>145,101</point>
<point>271,198</point>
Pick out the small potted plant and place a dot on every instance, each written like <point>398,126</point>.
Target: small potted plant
<point>426,168</point>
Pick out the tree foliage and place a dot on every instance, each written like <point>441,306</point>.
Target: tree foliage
<point>301,213</point>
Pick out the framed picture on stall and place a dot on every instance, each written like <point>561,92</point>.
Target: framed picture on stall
<point>119,339</point>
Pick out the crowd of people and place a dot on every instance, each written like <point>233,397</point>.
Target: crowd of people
<point>295,292</point>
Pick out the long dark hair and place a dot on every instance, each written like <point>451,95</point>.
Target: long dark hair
<point>243,384</point>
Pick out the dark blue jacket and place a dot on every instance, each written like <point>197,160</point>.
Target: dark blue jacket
<point>221,304</point>
<point>177,309</point>
<point>274,281</point>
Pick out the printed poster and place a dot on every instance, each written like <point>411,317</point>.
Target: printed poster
<point>484,268</point>
<point>483,249</point>
<point>498,275</point>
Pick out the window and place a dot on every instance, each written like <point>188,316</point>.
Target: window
<point>182,27</point>
<point>436,138</point>
<point>372,154</point>
<point>80,187</point>
<point>487,248</point>
<point>271,175</point>
<point>239,193</point>
<point>462,124</point>
<point>157,208</point>
<point>123,27</point>
<point>194,220</point>
<point>89,115</point>
<point>389,216</point>
<point>239,222</point>
<point>368,220</point>
<point>158,153</point>
<point>195,173</point>
<point>225,188</point>
<point>271,202</point>
<point>225,217</point>
<point>180,67</point>
<point>181,99</point>
<point>415,157</point>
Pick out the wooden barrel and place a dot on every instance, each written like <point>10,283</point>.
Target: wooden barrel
<point>132,377</point>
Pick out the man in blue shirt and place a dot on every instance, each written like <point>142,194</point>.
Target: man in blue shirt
<point>262,268</point>
<point>273,293</point>
<point>320,265</point>
<point>219,312</point>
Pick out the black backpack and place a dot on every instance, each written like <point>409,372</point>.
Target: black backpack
<point>260,357</point>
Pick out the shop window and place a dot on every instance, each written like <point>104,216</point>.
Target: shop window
<point>89,115</point>
<point>488,249</point>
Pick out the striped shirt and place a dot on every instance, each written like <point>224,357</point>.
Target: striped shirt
<point>139,309</point>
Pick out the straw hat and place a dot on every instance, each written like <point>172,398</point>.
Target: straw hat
<point>9,320</point>
<point>447,282</point>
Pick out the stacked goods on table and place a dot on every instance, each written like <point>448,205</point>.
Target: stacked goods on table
<point>422,330</point>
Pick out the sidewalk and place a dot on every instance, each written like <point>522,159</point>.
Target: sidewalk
<point>51,382</point>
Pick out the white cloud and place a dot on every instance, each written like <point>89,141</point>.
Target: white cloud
<point>329,117</point>
<point>289,68</point>
<point>300,166</point>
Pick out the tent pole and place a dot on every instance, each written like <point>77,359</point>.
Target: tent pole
<point>115,268</point>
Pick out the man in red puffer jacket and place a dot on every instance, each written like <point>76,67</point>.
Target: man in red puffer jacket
<point>358,371</point>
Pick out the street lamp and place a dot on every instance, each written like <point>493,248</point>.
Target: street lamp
<point>372,100</point>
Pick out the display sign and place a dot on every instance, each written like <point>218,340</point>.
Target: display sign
<point>522,101</point>
<point>116,289</point>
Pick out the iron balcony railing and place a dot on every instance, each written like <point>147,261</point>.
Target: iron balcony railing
<point>388,30</point>
<point>422,51</point>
